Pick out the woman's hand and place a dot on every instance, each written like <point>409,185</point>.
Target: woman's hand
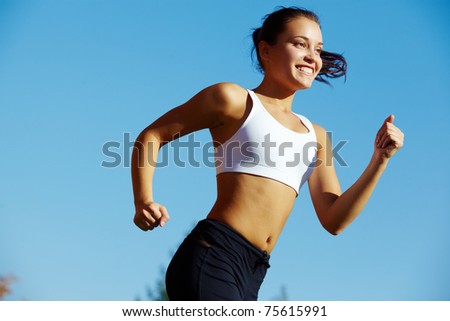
<point>388,141</point>
<point>150,215</point>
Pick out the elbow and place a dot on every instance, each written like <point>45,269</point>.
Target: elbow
<point>333,226</point>
<point>334,230</point>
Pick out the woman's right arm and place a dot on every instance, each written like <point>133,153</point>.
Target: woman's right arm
<point>208,109</point>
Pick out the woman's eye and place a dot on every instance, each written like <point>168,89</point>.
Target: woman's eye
<point>319,50</point>
<point>300,44</point>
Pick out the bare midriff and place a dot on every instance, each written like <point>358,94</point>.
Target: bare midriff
<point>256,207</point>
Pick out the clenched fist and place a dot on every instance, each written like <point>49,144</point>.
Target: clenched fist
<point>389,139</point>
<point>150,215</point>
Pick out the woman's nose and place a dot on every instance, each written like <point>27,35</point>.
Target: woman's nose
<point>309,59</point>
<point>311,56</point>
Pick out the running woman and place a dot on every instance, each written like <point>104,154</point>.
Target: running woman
<point>264,154</point>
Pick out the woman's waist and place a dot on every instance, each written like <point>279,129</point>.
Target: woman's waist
<point>255,190</point>
<point>260,226</point>
<point>256,207</point>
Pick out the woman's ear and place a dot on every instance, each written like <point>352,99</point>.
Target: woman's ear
<point>264,50</point>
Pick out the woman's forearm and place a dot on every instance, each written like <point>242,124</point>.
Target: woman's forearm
<point>349,204</point>
<point>143,163</point>
<point>336,210</point>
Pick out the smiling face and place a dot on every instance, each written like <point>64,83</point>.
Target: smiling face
<point>294,60</point>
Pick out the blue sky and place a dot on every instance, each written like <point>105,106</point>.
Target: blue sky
<point>75,75</point>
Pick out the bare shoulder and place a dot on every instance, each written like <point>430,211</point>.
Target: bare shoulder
<point>321,135</point>
<point>209,108</point>
<point>226,96</point>
<point>229,102</point>
<point>319,129</point>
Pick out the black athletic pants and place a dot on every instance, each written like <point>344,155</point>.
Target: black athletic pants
<point>214,262</point>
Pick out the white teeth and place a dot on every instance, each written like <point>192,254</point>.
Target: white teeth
<point>305,69</point>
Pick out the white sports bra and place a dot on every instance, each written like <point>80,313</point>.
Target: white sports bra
<point>264,147</point>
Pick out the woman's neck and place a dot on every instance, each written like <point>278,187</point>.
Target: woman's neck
<point>276,95</point>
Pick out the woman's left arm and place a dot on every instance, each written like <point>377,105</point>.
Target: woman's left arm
<point>336,210</point>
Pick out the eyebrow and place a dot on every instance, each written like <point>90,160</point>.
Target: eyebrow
<point>306,38</point>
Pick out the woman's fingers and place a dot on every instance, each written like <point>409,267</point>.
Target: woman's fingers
<point>389,137</point>
<point>151,215</point>
<point>394,136</point>
<point>164,216</point>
